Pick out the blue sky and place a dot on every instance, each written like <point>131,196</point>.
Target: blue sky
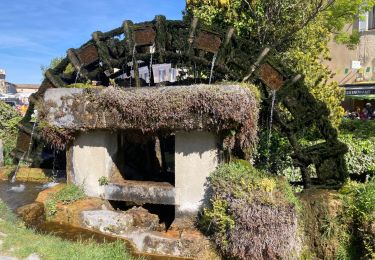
<point>32,32</point>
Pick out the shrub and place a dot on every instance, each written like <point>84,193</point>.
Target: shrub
<point>103,181</point>
<point>360,137</point>
<point>249,212</point>
<point>359,202</point>
<point>8,130</point>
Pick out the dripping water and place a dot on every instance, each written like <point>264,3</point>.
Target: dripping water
<point>271,119</point>
<point>152,51</point>
<point>13,180</point>
<point>77,76</point>
<point>54,174</point>
<point>212,67</point>
<point>27,154</point>
<point>132,64</point>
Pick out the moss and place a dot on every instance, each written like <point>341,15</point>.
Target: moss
<point>229,111</point>
<point>337,224</point>
<point>68,194</point>
<point>251,209</point>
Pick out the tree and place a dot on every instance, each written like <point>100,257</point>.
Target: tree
<point>299,30</point>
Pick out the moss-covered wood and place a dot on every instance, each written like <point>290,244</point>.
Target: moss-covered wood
<point>238,59</point>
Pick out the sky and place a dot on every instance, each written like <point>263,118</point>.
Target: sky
<point>33,32</point>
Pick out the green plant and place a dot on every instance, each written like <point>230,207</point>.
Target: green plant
<point>244,198</point>
<point>103,181</point>
<point>20,242</point>
<point>359,202</point>
<point>68,194</point>
<point>360,138</point>
<point>9,119</point>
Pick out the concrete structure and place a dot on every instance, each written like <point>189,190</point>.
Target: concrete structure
<point>196,156</point>
<point>90,158</point>
<point>2,81</point>
<point>169,165</point>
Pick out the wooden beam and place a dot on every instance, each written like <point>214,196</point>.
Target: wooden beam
<point>54,79</point>
<point>129,36</point>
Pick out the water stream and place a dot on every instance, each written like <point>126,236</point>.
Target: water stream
<point>271,119</point>
<point>23,193</point>
<point>212,67</point>
<point>132,64</point>
<point>152,51</point>
<point>25,155</point>
<point>78,75</point>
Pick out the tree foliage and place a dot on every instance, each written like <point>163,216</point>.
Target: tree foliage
<point>9,118</point>
<point>299,30</point>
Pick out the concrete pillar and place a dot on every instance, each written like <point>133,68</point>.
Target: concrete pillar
<point>1,153</point>
<point>89,158</point>
<point>196,156</point>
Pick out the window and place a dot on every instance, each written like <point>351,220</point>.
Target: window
<point>371,19</point>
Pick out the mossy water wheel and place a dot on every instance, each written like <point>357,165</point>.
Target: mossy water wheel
<point>192,47</point>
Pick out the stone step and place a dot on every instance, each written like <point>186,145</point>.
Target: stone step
<point>141,192</point>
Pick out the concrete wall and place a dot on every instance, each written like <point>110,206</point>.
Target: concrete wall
<point>196,156</point>
<point>90,158</point>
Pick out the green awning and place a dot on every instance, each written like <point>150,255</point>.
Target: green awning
<point>361,97</point>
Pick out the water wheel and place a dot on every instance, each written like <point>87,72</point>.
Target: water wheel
<point>201,54</point>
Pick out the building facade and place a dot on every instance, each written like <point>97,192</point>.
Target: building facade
<point>354,68</point>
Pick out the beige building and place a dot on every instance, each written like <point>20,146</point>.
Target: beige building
<point>27,88</point>
<point>354,68</point>
<point>2,81</point>
<point>10,88</point>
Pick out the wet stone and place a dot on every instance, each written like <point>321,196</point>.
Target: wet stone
<point>107,221</point>
<point>32,213</point>
<point>120,222</point>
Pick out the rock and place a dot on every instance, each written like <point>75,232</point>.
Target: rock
<point>144,219</point>
<point>107,221</point>
<point>70,214</point>
<point>33,256</point>
<point>32,213</point>
<point>190,244</point>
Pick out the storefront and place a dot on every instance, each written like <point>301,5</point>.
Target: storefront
<point>358,94</point>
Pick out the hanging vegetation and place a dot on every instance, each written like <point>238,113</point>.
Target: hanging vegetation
<point>229,111</point>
